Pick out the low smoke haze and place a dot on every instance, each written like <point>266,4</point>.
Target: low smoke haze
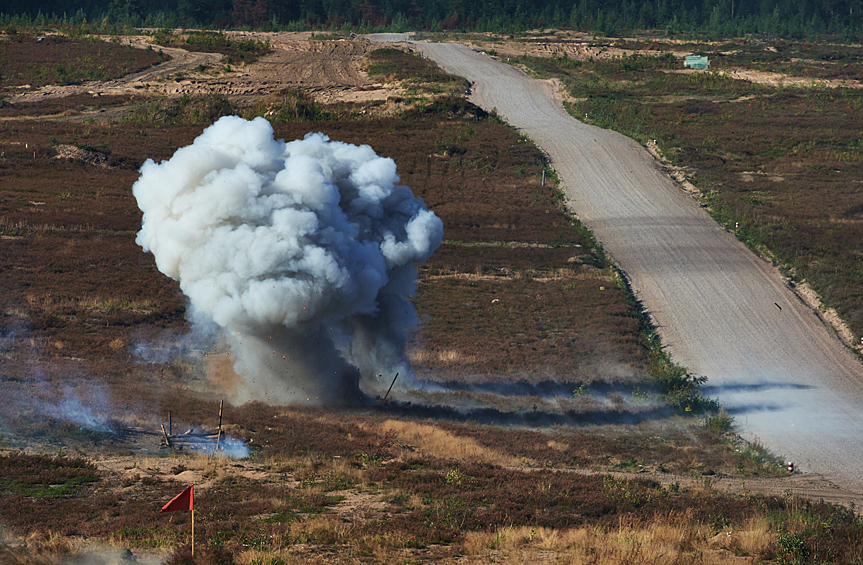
<point>303,254</point>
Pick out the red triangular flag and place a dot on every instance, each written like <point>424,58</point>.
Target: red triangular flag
<point>182,501</point>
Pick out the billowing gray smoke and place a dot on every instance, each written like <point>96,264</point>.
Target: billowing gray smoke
<point>303,253</point>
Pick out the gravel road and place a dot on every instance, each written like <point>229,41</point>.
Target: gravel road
<point>722,312</point>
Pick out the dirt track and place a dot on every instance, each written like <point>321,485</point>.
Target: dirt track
<point>180,61</point>
<point>329,71</point>
<point>722,311</point>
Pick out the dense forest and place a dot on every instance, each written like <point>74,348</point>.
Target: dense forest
<point>842,19</point>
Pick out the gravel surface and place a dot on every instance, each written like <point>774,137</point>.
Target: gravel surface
<point>721,311</point>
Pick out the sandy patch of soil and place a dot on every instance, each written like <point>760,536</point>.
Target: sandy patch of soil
<point>186,469</point>
<point>749,176</point>
<point>358,506</point>
<point>329,71</point>
<point>778,79</point>
<point>560,92</point>
<point>571,45</point>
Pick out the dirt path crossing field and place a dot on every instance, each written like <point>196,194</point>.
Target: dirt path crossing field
<point>329,71</point>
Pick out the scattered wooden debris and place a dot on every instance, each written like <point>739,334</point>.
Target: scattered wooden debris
<point>205,440</point>
<point>384,399</point>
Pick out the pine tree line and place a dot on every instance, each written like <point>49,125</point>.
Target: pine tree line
<point>784,18</point>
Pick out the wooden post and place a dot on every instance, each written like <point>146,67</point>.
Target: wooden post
<point>219,437</point>
<point>167,439</point>
<point>391,387</point>
<point>170,424</point>
<point>193,532</point>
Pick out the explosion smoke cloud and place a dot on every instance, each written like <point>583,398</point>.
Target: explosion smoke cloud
<point>302,252</point>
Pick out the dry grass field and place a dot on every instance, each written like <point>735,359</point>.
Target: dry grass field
<point>545,430</point>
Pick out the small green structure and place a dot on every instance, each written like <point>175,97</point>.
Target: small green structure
<point>696,62</point>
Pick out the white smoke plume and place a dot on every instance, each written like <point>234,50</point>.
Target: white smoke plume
<point>87,413</point>
<point>303,252</point>
<point>227,447</point>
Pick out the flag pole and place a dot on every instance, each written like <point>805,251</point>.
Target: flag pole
<point>183,502</point>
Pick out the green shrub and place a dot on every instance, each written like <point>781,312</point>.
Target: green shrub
<point>184,110</point>
<point>794,546</point>
<point>720,422</point>
<point>291,106</point>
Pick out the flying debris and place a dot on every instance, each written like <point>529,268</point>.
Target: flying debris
<point>305,247</point>
<point>384,399</point>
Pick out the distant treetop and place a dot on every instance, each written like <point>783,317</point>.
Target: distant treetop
<point>841,19</point>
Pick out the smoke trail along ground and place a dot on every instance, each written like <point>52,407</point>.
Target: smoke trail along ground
<point>302,252</point>
<point>88,410</point>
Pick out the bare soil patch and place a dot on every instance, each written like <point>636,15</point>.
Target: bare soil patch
<point>329,71</point>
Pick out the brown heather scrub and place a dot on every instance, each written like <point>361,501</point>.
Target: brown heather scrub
<point>44,476</point>
<point>444,504</point>
<point>371,437</point>
<point>819,61</point>
<point>602,447</point>
<point>382,484</point>
<point>568,322</point>
<point>529,328</point>
<point>236,52</point>
<point>423,486</point>
<point>294,432</point>
<point>55,211</point>
<point>63,106</point>
<point>55,59</point>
